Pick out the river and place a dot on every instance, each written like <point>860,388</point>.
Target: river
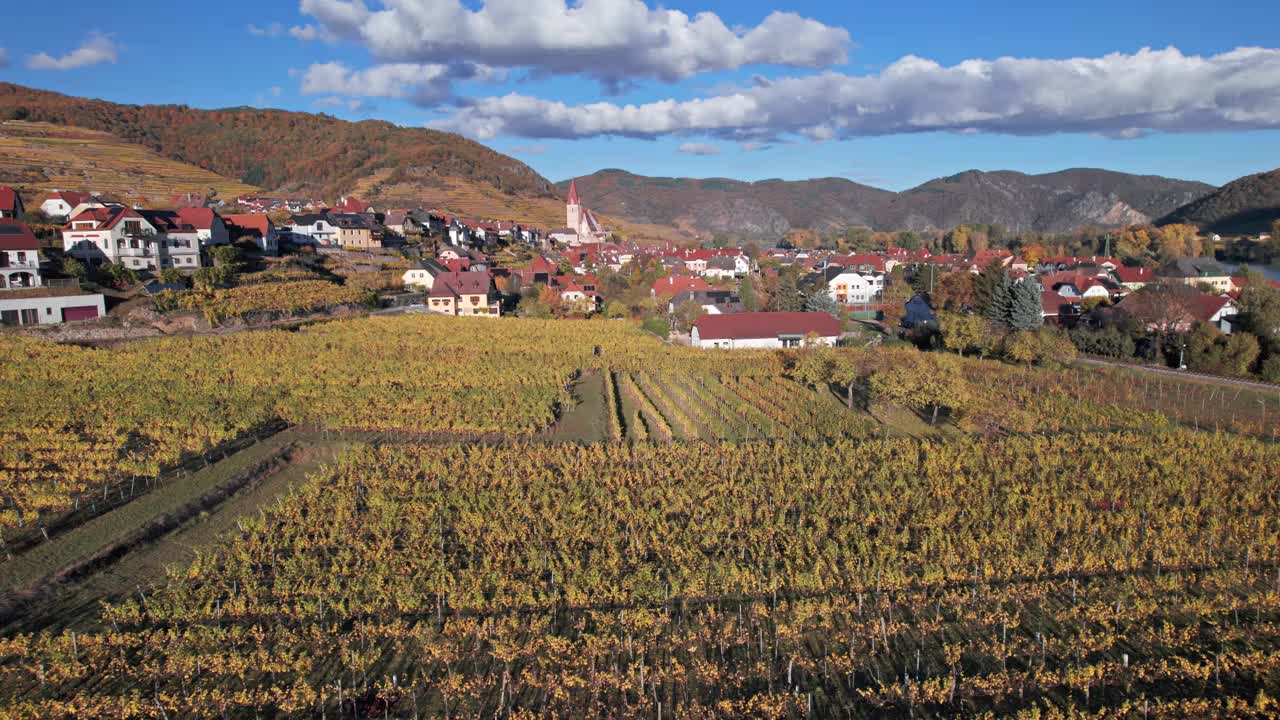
<point>1272,272</point>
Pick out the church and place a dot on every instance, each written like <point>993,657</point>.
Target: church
<point>581,225</point>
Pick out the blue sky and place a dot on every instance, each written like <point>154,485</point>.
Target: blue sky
<point>827,95</point>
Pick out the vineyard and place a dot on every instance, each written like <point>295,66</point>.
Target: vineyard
<point>762,579</point>
<point>746,534</point>
<point>43,156</point>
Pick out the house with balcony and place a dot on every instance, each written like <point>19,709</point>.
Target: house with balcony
<point>136,239</point>
<point>26,298</point>
<point>19,256</point>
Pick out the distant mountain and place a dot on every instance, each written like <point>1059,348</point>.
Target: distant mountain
<point>287,151</point>
<point>1053,202</point>
<point>1245,206</point>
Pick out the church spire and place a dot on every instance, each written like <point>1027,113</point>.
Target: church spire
<point>573,193</point>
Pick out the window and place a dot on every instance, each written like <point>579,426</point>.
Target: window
<point>22,256</point>
<point>30,316</point>
<point>133,227</point>
<point>8,317</point>
<point>790,342</point>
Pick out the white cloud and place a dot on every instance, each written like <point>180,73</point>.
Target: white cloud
<point>4,58</point>
<point>310,32</point>
<point>275,29</point>
<point>752,146</point>
<point>698,149</point>
<point>423,84</point>
<point>97,49</point>
<point>276,91</point>
<point>1118,95</point>
<point>612,40</point>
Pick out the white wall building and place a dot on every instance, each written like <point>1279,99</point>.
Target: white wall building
<point>856,288</point>
<point>128,237</point>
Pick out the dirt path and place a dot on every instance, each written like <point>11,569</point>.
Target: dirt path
<point>63,583</point>
<point>1182,374</point>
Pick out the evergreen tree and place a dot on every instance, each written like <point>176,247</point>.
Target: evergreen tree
<point>1025,306</point>
<point>820,301</point>
<point>998,304</point>
<point>984,284</point>
<point>787,298</point>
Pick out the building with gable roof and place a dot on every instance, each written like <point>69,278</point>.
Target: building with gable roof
<point>581,221</point>
<point>10,204</point>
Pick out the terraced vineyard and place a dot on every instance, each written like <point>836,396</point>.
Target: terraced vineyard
<point>42,156</point>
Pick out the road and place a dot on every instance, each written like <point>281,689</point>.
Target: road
<point>1184,374</point>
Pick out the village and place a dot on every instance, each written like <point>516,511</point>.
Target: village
<point>708,296</point>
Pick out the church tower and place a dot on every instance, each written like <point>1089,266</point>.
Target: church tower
<point>573,210</point>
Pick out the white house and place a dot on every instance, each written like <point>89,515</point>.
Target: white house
<point>62,203</point>
<point>19,256</point>
<point>210,228</point>
<point>856,288</point>
<point>423,274</point>
<point>764,330</point>
<point>315,228</point>
<point>139,240</point>
<point>25,298</point>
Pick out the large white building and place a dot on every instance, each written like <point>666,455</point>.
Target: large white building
<point>136,239</point>
<point>764,330</point>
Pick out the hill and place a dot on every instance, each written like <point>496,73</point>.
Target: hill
<point>1245,206</point>
<point>281,150</point>
<point>761,210</point>
<point>37,157</point>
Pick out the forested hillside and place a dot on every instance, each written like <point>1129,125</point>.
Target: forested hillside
<point>275,149</point>
<point>1248,205</point>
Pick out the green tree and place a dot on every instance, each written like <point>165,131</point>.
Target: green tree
<point>787,297</point>
<point>985,285</point>
<point>908,240</point>
<point>1024,306</point>
<point>73,268</point>
<point>818,300</point>
<point>1000,302</point>
<point>657,326</point>
<point>747,294</point>
<point>847,372</point>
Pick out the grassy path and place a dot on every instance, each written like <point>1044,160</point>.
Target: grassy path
<point>130,547</point>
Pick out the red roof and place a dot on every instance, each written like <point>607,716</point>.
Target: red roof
<point>573,193</point>
<point>254,221</point>
<point>1051,302</point>
<point>765,325</point>
<point>461,283</point>
<point>1203,307</point>
<point>675,285</point>
<point>8,199</point>
<point>71,198</point>
<point>1134,274</point>
<point>351,205</point>
<point>17,236</point>
<point>200,218</point>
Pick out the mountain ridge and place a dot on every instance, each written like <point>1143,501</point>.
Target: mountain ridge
<point>1243,206</point>
<point>1049,202</point>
